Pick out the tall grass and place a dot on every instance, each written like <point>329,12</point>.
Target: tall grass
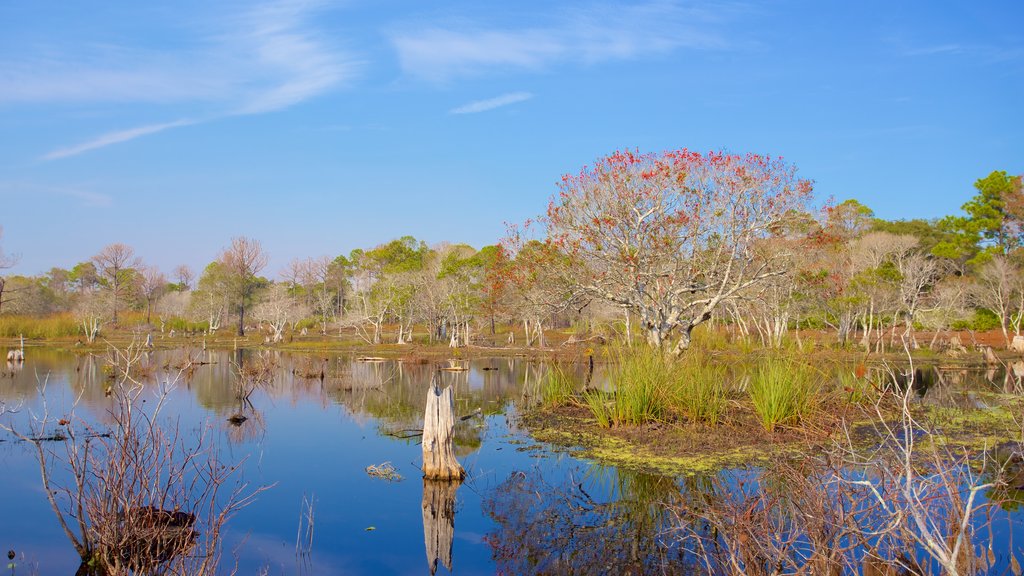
<point>556,387</point>
<point>642,381</point>
<point>56,326</point>
<point>700,390</point>
<point>783,391</point>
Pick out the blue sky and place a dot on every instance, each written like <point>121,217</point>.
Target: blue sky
<point>319,127</point>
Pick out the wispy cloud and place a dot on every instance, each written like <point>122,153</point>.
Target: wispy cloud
<point>267,59</point>
<point>491,103</point>
<point>114,138</point>
<point>439,52</point>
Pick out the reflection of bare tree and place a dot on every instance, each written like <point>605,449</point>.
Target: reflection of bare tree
<point>906,505</point>
<point>609,523</point>
<point>439,521</point>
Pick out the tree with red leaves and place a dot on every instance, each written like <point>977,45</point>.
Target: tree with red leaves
<point>671,236</point>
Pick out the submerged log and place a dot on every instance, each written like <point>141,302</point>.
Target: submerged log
<point>439,461</point>
<point>439,521</point>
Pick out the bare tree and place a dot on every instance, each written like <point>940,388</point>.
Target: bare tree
<point>184,276</point>
<point>996,287</point>
<point>173,304</point>
<point>278,309</point>
<point>6,261</point>
<point>113,263</point>
<point>242,261</point>
<point>91,312</point>
<point>152,284</point>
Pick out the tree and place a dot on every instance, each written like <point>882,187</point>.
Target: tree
<point>997,287</point>
<point>849,219</point>
<point>242,261</point>
<point>278,309</point>
<point>671,236</point>
<point>212,296</point>
<point>5,262</point>
<point>152,283</point>
<point>994,220</point>
<point>114,264</point>
<point>185,276</point>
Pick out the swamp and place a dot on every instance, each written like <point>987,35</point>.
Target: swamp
<point>322,460</point>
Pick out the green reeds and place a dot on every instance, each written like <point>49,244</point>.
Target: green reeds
<point>642,381</point>
<point>556,387</point>
<point>783,392</point>
<point>700,390</point>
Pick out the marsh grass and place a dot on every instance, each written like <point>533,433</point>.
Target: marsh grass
<point>56,326</point>
<point>783,391</point>
<point>699,390</point>
<point>557,387</point>
<point>642,381</point>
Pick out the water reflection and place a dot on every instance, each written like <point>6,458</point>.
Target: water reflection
<point>312,423</point>
<point>601,521</point>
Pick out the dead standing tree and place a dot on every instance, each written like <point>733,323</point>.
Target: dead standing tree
<point>442,474</point>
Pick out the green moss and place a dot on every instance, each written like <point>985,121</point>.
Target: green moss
<point>609,449</point>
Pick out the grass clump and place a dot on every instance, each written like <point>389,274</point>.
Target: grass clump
<point>641,383</point>
<point>556,388</point>
<point>783,392</point>
<point>700,390</point>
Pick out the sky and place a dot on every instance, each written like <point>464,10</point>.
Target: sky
<point>317,127</point>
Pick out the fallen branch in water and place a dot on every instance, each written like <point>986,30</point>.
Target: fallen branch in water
<point>384,471</point>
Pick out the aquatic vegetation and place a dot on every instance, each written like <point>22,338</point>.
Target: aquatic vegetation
<point>557,387</point>
<point>700,390</point>
<point>783,391</point>
<point>641,383</point>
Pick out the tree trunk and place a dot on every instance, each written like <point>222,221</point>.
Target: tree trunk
<point>241,319</point>
<point>683,344</point>
<point>439,521</point>
<point>439,461</point>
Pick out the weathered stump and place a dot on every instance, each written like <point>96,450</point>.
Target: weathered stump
<point>439,521</point>
<point>439,461</point>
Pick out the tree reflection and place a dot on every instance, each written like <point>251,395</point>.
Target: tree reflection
<point>610,521</point>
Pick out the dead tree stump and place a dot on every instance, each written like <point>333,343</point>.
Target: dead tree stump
<point>439,461</point>
<point>439,521</point>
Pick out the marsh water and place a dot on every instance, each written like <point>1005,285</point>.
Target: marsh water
<point>310,433</point>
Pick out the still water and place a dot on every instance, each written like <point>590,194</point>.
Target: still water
<point>314,427</point>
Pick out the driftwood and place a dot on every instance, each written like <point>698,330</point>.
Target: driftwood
<point>439,521</point>
<point>439,461</point>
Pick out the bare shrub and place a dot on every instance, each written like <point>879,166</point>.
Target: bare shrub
<point>145,496</point>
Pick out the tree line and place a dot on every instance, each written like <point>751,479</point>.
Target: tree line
<point>646,245</point>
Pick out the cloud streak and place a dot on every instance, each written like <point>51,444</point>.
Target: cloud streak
<point>264,60</point>
<point>491,103</point>
<point>114,138</point>
<point>441,52</point>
